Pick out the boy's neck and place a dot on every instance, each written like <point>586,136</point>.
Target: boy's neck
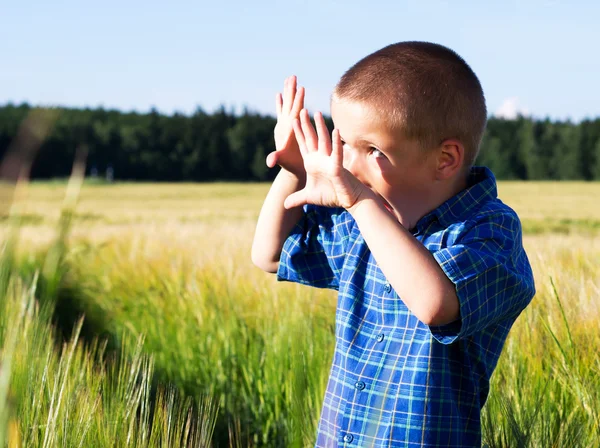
<point>418,207</point>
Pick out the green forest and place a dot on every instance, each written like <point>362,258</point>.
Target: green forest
<point>232,147</point>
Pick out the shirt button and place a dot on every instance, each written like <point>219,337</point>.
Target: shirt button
<point>380,337</point>
<point>359,385</point>
<point>387,288</point>
<point>348,438</point>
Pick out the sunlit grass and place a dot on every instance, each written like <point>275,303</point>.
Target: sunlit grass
<point>68,396</point>
<point>60,392</point>
<point>546,389</point>
<point>169,265</point>
<point>544,207</point>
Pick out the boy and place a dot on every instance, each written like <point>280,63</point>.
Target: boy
<point>428,262</point>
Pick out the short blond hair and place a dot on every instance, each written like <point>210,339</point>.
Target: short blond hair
<point>423,89</point>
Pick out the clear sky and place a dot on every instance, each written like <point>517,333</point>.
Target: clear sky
<point>539,57</point>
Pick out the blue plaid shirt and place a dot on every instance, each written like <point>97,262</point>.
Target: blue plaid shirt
<point>394,381</point>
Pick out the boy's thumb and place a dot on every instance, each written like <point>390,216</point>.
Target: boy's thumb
<point>295,200</point>
<point>272,159</point>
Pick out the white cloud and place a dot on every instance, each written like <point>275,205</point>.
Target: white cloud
<point>510,108</point>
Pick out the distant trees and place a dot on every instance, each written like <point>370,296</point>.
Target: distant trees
<point>226,146</point>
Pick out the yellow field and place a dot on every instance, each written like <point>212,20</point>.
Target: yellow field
<point>215,222</point>
<point>568,207</point>
<point>171,262</point>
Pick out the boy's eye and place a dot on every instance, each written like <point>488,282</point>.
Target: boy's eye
<point>376,153</point>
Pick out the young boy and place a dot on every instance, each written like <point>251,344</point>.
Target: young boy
<point>428,262</point>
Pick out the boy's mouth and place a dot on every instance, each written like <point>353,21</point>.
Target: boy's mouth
<point>387,205</point>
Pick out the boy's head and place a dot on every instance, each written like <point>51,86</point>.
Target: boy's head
<point>424,90</point>
<point>420,97</point>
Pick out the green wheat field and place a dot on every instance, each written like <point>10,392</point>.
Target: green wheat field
<point>131,315</point>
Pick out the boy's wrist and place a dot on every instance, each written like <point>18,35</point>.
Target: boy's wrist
<point>299,178</point>
<point>365,196</point>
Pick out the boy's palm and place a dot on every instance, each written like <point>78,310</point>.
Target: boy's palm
<point>287,153</point>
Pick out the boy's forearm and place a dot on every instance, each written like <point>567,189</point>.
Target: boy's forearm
<point>409,267</point>
<point>275,222</point>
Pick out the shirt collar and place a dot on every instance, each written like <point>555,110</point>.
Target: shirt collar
<point>481,189</point>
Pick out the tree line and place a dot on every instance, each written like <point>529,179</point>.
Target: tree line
<point>232,147</point>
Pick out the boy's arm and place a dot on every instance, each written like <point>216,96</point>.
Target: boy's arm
<point>482,280</point>
<point>275,222</point>
<point>407,264</point>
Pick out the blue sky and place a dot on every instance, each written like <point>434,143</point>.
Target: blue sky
<point>539,57</point>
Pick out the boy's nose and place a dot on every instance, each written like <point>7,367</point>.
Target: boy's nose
<point>349,160</point>
<point>352,163</point>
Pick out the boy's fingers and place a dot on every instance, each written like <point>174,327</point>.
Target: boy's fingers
<point>299,136</point>
<point>284,94</point>
<point>338,150</point>
<point>298,102</point>
<point>288,95</point>
<point>278,104</point>
<point>322,134</point>
<point>309,132</point>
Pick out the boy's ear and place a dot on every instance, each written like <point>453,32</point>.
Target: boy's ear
<point>450,159</point>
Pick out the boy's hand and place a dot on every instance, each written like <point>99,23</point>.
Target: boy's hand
<point>287,153</point>
<point>328,183</point>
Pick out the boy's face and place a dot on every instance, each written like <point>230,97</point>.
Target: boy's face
<point>392,166</point>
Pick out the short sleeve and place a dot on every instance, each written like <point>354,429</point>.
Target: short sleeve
<point>491,273</point>
<point>314,252</point>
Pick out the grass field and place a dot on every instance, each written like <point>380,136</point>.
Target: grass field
<point>185,343</point>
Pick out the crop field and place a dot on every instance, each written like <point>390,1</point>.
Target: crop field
<point>131,315</point>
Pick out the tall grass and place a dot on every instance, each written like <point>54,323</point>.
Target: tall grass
<point>546,389</point>
<point>57,392</point>
<point>182,295</point>
<point>263,351</point>
<point>71,395</point>
<point>218,326</point>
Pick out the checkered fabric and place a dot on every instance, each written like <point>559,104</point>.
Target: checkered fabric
<point>394,381</point>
